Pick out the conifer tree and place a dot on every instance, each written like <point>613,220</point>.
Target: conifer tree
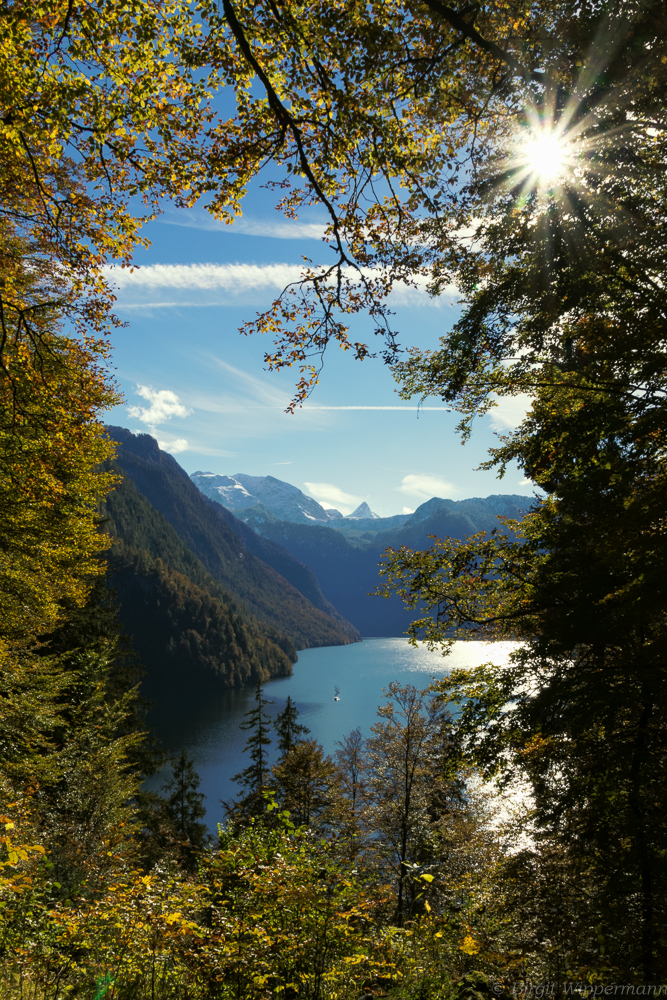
<point>288,729</point>
<point>254,779</point>
<point>306,783</point>
<point>184,805</point>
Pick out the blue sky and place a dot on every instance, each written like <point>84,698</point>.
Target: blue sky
<point>193,382</point>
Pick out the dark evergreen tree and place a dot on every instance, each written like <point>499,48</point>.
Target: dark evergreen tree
<point>98,747</point>
<point>184,806</point>
<point>96,628</point>
<point>306,784</point>
<point>254,779</point>
<point>288,729</point>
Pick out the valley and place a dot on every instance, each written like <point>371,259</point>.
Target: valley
<point>220,595</point>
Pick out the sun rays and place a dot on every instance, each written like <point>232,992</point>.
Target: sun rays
<point>546,156</point>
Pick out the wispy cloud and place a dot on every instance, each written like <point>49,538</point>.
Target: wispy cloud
<point>133,306</point>
<point>281,230</point>
<point>226,284</point>
<point>426,487</point>
<point>443,409</point>
<point>333,495</point>
<point>284,229</point>
<point>164,404</point>
<point>260,390</point>
<point>205,276</point>
<point>243,405</point>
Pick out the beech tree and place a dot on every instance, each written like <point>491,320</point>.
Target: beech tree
<point>350,758</point>
<point>413,784</point>
<point>580,709</point>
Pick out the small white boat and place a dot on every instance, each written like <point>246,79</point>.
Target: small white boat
<point>336,698</point>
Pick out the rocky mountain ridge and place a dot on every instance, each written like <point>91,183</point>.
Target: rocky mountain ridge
<point>283,500</point>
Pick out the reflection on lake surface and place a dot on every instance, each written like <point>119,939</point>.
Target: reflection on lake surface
<point>207,725</point>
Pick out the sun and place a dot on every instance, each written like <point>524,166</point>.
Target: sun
<point>545,156</point>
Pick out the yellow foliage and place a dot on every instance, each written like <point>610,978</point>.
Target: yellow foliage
<point>469,946</point>
<point>52,391</point>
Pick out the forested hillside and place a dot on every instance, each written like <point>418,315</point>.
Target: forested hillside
<point>187,630</point>
<point>202,526</point>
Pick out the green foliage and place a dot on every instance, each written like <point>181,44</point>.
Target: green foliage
<point>307,784</point>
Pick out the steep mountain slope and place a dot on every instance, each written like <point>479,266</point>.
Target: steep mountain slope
<point>203,526</point>
<point>186,629</point>
<point>347,564</point>
<point>347,571</point>
<point>279,558</point>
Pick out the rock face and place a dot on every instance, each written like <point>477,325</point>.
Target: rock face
<point>225,489</point>
<point>363,511</point>
<point>283,500</point>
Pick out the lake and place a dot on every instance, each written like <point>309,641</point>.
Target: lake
<point>207,726</point>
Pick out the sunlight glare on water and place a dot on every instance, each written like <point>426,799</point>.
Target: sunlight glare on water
<point>208,726</point>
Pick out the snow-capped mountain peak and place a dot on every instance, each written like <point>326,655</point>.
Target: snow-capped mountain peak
<point>282,499</point>
<point>227,490</point>
<point>362,512</point>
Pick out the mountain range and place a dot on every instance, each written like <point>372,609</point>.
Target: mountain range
<point>214,596</point>
<point>343,552</point>
<point>285,501</point>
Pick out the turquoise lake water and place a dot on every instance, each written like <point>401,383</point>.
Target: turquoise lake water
<point>208,726</point>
